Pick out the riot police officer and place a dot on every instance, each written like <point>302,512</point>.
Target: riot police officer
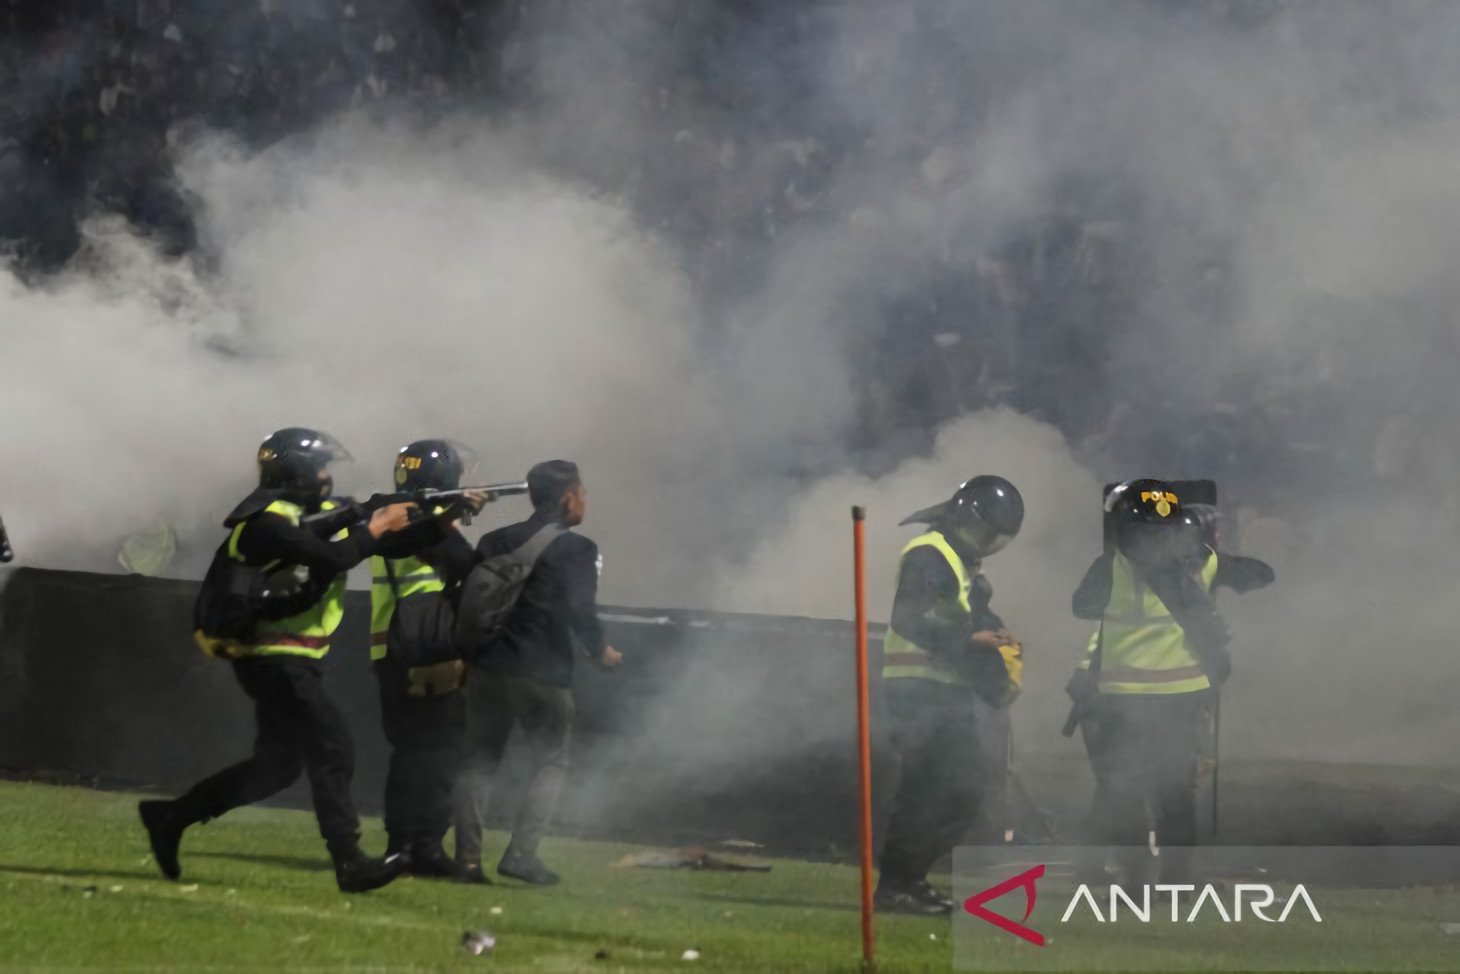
<point>415,660</point>
<point>279,663</point>
<point>944,646</point>
<point>1146,685</point>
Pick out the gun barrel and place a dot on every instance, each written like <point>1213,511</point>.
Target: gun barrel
<point>508,489</point>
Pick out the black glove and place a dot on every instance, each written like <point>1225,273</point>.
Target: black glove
<point>989,674</point>
<point>1093,595</point>
<point>1243,574</point>
<point>1218,666</point>
<point>1082,687</point>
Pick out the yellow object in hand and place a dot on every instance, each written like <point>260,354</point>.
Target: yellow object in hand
<point>1013,654</point>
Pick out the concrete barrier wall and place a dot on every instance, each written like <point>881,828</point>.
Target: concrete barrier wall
<point>718,725</point>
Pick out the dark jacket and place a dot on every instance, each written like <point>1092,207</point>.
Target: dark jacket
<point>925,581</point>
<point>271,538</point>
<point>233,598</point>
<point>925,585</point>
<point>435,544</point>
<point>557,610</point>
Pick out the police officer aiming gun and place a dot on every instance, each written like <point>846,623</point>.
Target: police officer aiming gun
<point>275,630</point>
<point>414,577</point>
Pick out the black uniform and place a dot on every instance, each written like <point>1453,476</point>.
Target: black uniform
<point>1143,747</point>
<point>421,708</point>
<point>946,770</point>
<point>299,726</point>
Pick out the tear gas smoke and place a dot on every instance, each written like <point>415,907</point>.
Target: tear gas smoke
<point>1269,188</point>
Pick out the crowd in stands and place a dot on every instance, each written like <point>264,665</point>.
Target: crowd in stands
<point>92,91</point>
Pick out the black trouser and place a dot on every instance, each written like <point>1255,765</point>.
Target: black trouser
<point>997,811</point>
<point>1146,750</point>
<point>425,735</point>
<point>495,702</point>
<point>299,729</point>
<point>934,730</point>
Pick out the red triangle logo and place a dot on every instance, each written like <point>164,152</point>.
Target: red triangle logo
<point>1025,880</point>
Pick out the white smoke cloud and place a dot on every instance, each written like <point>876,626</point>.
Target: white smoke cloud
<point>378,287</point>
<point>486,281</point>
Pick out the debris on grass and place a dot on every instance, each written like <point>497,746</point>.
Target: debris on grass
<point>89,892</point>
<point>741,844</point>
<point>190,888</point>
<point>690,954</point>
<point>477,942</point>
<point>692,857</point>
<point>601,955</point>
<point>116,889</point>
<point>496,911</point>
<point>1450,928</point>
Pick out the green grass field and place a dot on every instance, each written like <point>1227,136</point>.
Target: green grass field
<point>78,890</point>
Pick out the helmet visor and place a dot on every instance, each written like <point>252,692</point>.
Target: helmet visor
<point>327,447</point>
<point>1157,543</point>
<point>470,459</point>
<point>335,463</point>
<point>983,537</point>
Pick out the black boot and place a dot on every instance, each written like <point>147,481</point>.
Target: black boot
<point>528,868</point>
<point>164,830</point>
<point>356,872</point>
<point>910,898</point>
<point>427,858</point>
<point>929,893</point>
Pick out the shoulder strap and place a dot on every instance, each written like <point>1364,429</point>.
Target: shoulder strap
<point>531,550</point>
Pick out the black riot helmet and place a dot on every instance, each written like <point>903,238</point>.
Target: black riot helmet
<point>432,465</point>
<point>1148,523</point>
<point>292,460</point>
<point>985,513</point>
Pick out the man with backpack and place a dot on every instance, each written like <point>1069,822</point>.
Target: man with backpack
<point>275,627</point>
<point>414,577</point>
<point>524,608</point>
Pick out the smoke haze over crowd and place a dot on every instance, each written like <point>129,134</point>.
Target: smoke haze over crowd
<point>1265,215</point>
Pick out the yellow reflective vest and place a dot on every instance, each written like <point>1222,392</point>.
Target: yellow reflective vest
<point>902,658</point>
<point>392,580</point>
<point>308,633</point>
<point>1142,648</point>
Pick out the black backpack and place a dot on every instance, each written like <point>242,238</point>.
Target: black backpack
<point>235,597</point>
<point>422,627</point>
<point>492,588</point>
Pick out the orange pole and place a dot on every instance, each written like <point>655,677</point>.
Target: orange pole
<point>864,732</point>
